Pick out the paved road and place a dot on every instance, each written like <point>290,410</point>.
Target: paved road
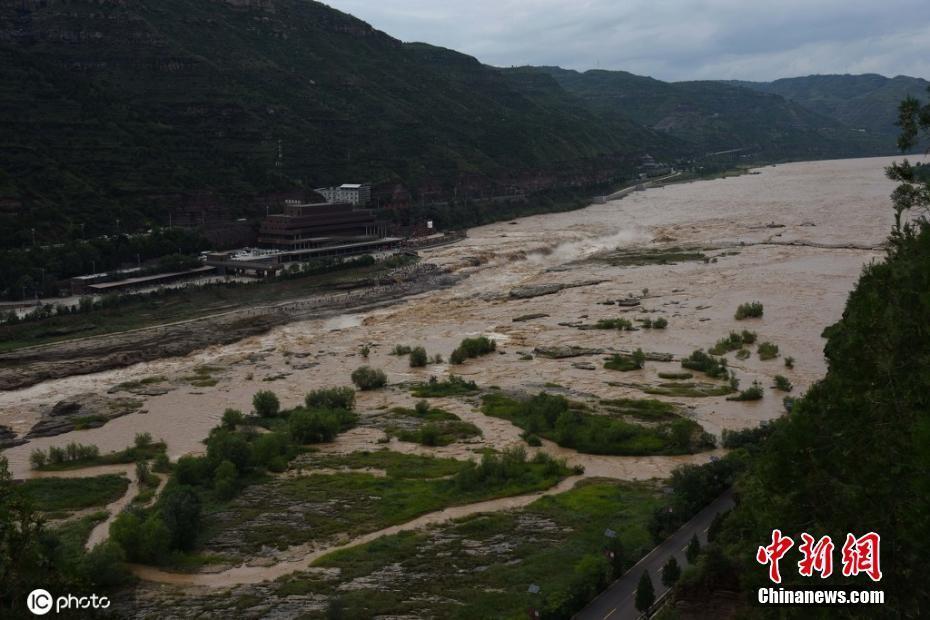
<point>618,601</point>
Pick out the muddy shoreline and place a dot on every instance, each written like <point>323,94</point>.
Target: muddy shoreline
<point>27,367</point>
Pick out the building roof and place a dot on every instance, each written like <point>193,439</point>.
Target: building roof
<point>105,286</point>
<point>351,186</point>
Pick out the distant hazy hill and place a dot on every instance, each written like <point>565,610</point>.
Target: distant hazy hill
<point>867,102</point>
<point>716,116</point>
<point>129,109</point>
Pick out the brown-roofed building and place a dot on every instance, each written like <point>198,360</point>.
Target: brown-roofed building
<point>309,225</point>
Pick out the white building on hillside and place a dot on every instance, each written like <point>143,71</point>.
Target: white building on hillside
<point>358,194</point>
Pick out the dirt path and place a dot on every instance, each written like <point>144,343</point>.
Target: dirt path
<point>246,574</point>
<point>101,531</point>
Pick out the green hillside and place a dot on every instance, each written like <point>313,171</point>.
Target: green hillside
<point>866,102</point>
<point>131,110</point>
<point>718,116</point>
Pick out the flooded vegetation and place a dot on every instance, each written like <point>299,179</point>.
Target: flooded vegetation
<point>585,363</point>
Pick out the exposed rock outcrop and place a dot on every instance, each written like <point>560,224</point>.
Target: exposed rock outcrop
<point>563,351</point>
<point>82,411</point>
<point>538,290</point>
<point>8,438</point>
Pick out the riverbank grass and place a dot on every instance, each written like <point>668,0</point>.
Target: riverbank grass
<point>606,430</point>
<point>482,566</point>
<point>348,504</point>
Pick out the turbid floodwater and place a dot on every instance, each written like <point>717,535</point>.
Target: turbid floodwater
<point>794,237</point>
<point>832,204</point>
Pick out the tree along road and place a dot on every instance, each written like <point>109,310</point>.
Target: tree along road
<point>618,602</point>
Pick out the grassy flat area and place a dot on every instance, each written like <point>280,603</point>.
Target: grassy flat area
<point>126,456</point>
<point>617,427</point>
<point>429,426</point>
<point>482,566</point>
<point>177,305</point>
<point>65,494</point>
<point>354,503</point>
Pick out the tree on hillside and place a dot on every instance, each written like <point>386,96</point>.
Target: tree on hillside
<point>266,404</point>
<point>670,572</point>
<point>693,550</point>
<point>181,514</point>
<point>645,593</point>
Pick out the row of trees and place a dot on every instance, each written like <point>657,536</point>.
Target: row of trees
<point>38,268</point>
<point>235,454</point>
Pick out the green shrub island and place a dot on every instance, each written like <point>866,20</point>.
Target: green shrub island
<point>751,310</point>
<point>573,425</point>
<point>471,348</point>
<point>367,378</point>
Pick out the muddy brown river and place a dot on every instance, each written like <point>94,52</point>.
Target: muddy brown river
<point>798,236</point>
<point>794,237</point>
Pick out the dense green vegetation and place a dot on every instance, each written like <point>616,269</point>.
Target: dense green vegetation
<point>70,494</point>
<point>625,363</point>
<point>753,392</point>
<point>331,398</point>
<point>78,456</point>
<point>367,378</point>
<point>452,386</point>
<point>412,486</point>
<point>418,357</point>
<point>867,102</point>
<point>767,351</point>
<point>734,342</point>
<point>557,543</point>
<point>35,270</point>
<point>32,553</point>
<point>750,310</point>
<point>471,348</point>
<point>747,437</point>
<point>659,323</point>
<point>852,454</point>
<point>714,367</point>
<point>620,324</point>
<point>236,457</point>
<point>436,427</point>
<point>783,384</point>
<point>256,100</point>
<point>642,409</point>
<point>574,425</point>
<point>693,487</point>
<point>717,116</point>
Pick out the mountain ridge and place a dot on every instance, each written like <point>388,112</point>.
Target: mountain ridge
<point>186,111</point>
<point>715,115</point>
